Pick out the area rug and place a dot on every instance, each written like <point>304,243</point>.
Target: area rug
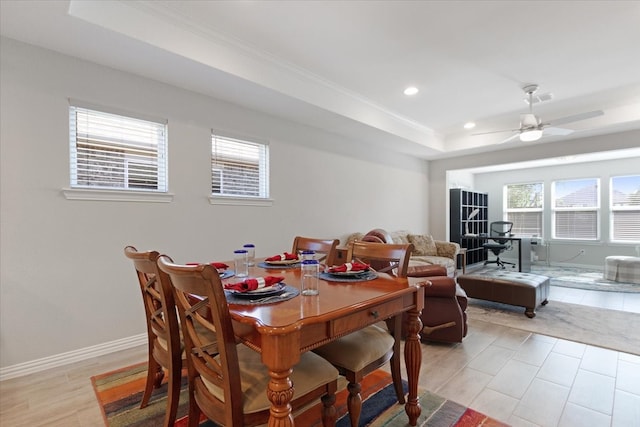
<point>613,329</point>
<point>119,393</point>
<point>582,278</point>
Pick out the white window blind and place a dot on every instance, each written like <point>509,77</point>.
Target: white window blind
<point>625,208</point>
<point>576,208</point>
<point>524,208</point>
<point>239,168</point>
<point>110,151</point>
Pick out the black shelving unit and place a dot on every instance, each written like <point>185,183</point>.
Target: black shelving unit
<point>462,204</point>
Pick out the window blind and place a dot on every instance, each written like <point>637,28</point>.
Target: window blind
<point>625,208</point>
<point>111,151</point>
<point>239,168</point>
<point>524,208</point>
<point>576,209</point>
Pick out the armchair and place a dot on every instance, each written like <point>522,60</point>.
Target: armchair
<point>444,316</point>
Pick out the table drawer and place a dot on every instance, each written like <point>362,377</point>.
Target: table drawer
<point>365,317</point>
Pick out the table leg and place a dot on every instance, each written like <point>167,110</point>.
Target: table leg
<point>280,365</point>
<point>280,393</point>
<point>413,361</point>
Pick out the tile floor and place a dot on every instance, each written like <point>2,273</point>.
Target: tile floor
<point>526,379</point>
<point>517,377</point>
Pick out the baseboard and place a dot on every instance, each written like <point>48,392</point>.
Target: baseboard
<point>67,358</point>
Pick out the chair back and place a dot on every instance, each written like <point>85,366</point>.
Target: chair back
<point>383,257</point>
<point>209,338</point>
<point>327,248</point>
<point>500,229</point>
<point>163,329</point>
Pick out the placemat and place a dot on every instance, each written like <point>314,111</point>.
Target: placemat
<point>232,299</point>
<point>370,275</point>
<point>278,267</point>
<point>226,274</point>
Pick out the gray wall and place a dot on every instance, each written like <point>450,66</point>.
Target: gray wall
<point>65,284</point>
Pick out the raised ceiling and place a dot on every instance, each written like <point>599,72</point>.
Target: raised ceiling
<point>342,65</point>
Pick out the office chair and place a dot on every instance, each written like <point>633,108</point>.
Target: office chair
<point>497,246</point>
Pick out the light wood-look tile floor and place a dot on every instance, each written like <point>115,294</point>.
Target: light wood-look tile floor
<point>517,377</point>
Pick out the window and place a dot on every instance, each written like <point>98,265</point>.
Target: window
<point>524,208</point>
<point>114,152</point>
<point>576,206</point>
<point>239,168</point>
<point>625,208</point>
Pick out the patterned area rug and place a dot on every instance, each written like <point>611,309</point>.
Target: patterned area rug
<point>119,393</point>
<point>582,278</point>
<point>573,277</point>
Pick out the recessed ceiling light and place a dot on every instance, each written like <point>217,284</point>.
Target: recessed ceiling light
<point>469,125</point>
<point>411,90</point>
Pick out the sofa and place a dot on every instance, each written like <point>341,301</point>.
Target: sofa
<point>427,251</point>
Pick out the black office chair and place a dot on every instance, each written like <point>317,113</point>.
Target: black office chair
<point>497,245</point>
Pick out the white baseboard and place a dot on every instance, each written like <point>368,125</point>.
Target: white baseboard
<point>22,369</point>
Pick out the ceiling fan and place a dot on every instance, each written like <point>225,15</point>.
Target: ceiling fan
<point>531,126</point>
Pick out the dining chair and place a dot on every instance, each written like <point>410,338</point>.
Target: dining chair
<point>227,380</point>
<point>163,330</point>
<point>327,248</point>
<point>368,349</point>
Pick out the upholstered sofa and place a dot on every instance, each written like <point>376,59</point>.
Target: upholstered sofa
<point>427,251</point>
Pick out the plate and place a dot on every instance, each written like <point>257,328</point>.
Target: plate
<point>282,262</point>
<point>261,293</point>
<point>348,273</point>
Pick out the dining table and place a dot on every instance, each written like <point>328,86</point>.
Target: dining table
<point>282,329</point>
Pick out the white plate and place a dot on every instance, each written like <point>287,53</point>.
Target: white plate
<point>348,273</point>
<point>276,289</point>
<point>282,262</point>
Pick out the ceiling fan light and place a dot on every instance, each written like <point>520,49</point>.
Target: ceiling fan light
<point>531,135</point>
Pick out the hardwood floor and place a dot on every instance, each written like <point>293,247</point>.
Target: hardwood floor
<point>517,377</point>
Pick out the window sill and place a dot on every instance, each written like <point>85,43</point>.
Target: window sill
<point>116,195</point>
<point>240,201</point>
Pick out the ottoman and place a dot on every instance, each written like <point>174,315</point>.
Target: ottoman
<point>508,287</point>
<point>622,269</point>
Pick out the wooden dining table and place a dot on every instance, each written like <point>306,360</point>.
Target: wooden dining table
<point>283,330</point>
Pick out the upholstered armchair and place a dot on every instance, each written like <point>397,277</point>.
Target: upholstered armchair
<point>444,316</point>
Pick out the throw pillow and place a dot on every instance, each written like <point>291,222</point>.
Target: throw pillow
<point>423,245</point>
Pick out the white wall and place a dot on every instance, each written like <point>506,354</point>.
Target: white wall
<point>65,283</point>
<point>565,251</point>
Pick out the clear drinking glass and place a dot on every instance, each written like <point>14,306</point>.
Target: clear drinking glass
<point>240,258</point>
<point>310,268</point>
<point>251,254</point>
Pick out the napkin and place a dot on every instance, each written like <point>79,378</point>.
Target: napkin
<point>216,265</point>
<point>254,283</point>
<point>282,257</point>
<point>355,266</point>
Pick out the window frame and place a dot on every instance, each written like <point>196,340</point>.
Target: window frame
<point>128,191</point>
<point>613,209</point>
<point>596,209</point>
<point>263,184</point>
<point>507,210</point>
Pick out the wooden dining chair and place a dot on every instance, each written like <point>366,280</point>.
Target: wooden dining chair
<point>366,350</point>
<point>327,248</point>
<point>228,381</point>
<point>163,330</point>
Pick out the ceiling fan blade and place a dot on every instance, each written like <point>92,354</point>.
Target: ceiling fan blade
<point>495,131</point>
<point>556,131</point>
<point>511,138</point>
<point>576,117</point>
